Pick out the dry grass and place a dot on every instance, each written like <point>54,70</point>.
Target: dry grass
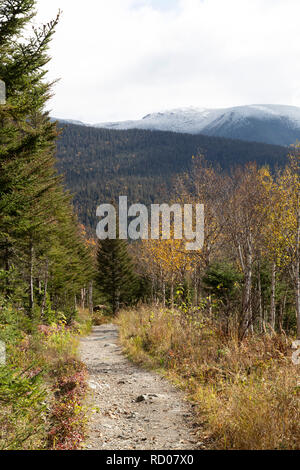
<point>248,393</point>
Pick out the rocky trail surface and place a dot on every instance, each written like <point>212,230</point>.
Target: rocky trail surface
<point>131,407</point>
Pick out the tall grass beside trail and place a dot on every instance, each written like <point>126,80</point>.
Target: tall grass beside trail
<point>42,384</point>
<point>248,393</point>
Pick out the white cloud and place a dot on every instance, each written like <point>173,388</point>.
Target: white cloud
<point>121,59</point>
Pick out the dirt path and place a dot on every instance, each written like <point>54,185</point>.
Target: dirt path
<point>131,408</point>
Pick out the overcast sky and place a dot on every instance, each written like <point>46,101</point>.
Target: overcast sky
<point>122,59</point>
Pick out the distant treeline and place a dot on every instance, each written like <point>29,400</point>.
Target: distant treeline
<point>101,164</point>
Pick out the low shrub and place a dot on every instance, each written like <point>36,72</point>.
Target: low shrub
<point>42,384</point>
<point>68,419</point>
<point>23,409</point>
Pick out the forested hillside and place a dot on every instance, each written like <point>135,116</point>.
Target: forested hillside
<point>101,164</point>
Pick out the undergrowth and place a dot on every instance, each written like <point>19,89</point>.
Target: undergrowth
<point>247,392</point>
<point>42,384</point>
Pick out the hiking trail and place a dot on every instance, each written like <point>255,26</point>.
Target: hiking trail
<point>131,408</point>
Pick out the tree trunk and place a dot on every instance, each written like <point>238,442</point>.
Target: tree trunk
<point>164,292</point>
<point>172,293</point>
<point>153,289</point>
<point>31,284</point>
<point>196,300</point>
<point>282,310</point>
<point>91,297</point>
<point>45,288</point>
<point>247,320</point>
<point>83,298</point>
<point>116,303</point>
<point>273,300</point>
<point>209,308</point>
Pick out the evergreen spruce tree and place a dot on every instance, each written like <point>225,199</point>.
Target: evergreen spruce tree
<point>116,279</point>
<point>39,234</point>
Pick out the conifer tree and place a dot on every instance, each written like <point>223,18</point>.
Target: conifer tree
<point>39,234</point>
<point>27,137</point>
<point>116,279</point>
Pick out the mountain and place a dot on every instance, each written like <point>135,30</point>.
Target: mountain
<point>100,165</point>
<point>68,121</point>
<point>272,124</point>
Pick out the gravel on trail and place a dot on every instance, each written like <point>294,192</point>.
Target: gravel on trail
<point>131,408</point>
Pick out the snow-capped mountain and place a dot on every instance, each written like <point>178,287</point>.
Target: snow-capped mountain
<point>69,121</point>
<point>274,124</point>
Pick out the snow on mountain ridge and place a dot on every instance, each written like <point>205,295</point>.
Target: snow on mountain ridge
<point>195,120</point>
<point>274,124</point>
